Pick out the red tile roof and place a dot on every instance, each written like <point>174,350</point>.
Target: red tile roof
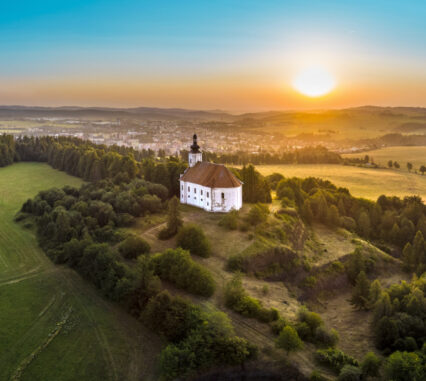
<point>211,175</point>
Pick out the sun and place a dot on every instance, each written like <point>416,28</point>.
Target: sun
<point>314,81</point>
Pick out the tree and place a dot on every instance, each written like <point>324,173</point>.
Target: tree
<point>333,216</point>
<point>289,340</point>
<point>402,366</point>
<point>192,238</point>
<point>390,163</point>
<point>396,165</point>
<point>361,292</point>
<point>419,248</point>
<point>407,257</point>
<point>375,292</point>
<point>422,169</point>
<point>364,224</point>
<point>409,166</point>
<point>370,365</point>
<point>307,214</point>
<point>174,220</point>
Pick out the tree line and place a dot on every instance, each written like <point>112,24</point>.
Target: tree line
<point>306,155</point>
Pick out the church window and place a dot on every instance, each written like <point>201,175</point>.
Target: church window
<point>223,195</point>
<point>195,190</point>
<point>201,192</point>
<point>189,189</point>
<point>208,194</point>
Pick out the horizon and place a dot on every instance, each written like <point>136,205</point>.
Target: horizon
<point>230,56</point>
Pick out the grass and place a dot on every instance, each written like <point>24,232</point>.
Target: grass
<point>414,155</point>
<point>362,182</point>
<point>94,339</point>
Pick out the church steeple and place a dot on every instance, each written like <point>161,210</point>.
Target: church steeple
<point>195,154</point>
<point>195,148</point>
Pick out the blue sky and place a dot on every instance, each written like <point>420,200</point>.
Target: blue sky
<point>251,44</point>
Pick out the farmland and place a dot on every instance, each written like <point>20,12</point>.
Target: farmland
<point>54,325</point>
<point>361,182</point>
<point>414,155</point>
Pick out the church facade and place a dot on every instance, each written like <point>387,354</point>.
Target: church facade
<point>209,186</point>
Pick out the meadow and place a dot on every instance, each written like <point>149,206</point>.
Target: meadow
<point>362,182</point>
<point>414,155</point>
<point>55,326</point>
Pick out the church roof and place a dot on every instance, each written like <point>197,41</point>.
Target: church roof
<point>211,175</point>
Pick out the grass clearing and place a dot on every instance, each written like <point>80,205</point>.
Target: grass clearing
<point>362,182</point>
<point>97,341</point>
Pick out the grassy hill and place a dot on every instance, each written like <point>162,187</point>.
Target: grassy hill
<point>54,325</point>
<point>321,248</point>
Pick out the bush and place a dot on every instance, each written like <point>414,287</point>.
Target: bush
<point>350,373</point>
<point>177,267</point>
<point>171,317</point>
<point>257,214</point>
<point>229,220</point>
<point>133,246</point>
<point>289,340</point>
<point>334,358</point>
<point>370,365</point>
<point>237,299</point>
<point>192,238</point>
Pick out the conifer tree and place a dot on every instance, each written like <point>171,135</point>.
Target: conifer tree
<point>361,292</point>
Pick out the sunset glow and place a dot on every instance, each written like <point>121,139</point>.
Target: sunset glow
<point>314,82</point>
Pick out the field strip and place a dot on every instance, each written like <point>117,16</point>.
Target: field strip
<point>103,342</point>
<point>37,322</point>
<point>25,276</point>
<point>27,361</point>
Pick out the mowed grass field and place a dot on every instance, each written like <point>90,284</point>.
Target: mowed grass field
<point>414,155</point>
<point>55,326</point>
<point>361,182</point>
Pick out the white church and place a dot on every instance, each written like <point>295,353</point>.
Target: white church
<point>209,186</point>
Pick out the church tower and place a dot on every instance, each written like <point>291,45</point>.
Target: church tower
<point>195,154</point>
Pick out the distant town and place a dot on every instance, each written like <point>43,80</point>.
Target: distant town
<point>170,136</point>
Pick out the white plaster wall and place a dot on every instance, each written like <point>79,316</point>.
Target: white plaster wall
<point>232,199</point>
<point>211,199</point>
<point>194,158</point>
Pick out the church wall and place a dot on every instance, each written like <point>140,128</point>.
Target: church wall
<point>232,199</point>
<point>197,195</point>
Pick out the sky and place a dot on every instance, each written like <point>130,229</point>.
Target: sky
<point>229,55</point>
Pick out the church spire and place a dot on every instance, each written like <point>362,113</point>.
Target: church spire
<point>195,154</point>
<point>195,148</point>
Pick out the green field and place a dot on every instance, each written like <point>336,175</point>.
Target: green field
<point>414,155</point>
<point>361,182</point>
<point>55,326</point>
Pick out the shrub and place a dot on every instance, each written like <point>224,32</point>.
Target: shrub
<point>334,358</point>
<point>257,214</point>
<point>192,238</point>
<point>229,220</point>
<point>370,365</point>
<point>133,246</point>
<point>289,340</point>
<point>237,299</point>
<point>350,373</point>
<point>171,317</point>
<point>177,267</point>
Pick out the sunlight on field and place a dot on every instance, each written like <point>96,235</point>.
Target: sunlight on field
<point>361,182</point>
<point>414,155</point>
